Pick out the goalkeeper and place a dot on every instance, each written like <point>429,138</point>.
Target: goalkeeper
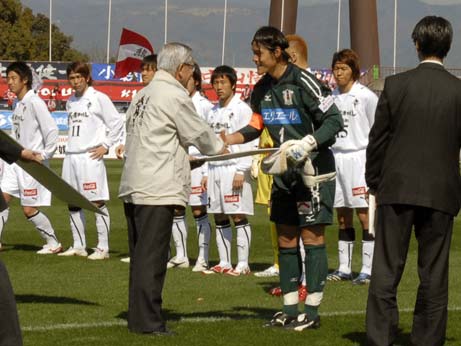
<point>302,120</point>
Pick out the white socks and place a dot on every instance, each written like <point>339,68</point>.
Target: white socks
<point>103,228</point>
<point>44,228</point>
<point>179,232</point>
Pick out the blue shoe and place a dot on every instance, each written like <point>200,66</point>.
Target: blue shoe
<point>339,276</point>
<point>362,279</point>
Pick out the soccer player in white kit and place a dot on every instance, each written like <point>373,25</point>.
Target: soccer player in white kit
<point>94,126</point>
<point>34,128</point>
<point>228,183</point>
<point>357,105</point>
<point>198,197</point>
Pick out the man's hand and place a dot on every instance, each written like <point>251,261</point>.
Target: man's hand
<point>237,183</point>
<point>298,150</point>
<point>255,167</point>
<point>98,152</point>
<point>119,151</point>
<point>29,155</point>
<point>204,183</point>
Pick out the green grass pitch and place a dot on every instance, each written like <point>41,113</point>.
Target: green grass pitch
<point>74,301</point>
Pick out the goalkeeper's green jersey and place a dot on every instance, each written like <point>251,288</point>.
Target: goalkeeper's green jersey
<point>295,106</point>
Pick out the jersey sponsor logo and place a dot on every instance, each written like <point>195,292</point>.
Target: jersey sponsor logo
<point>281,116</point>
<point>357,191</point>
<point>288,97</point>
<point>304,208</point>
<point>268,97</point>
<point>89,186</point>
<point>196,190</point>
<point>231,198</point>
<point>30,192</point>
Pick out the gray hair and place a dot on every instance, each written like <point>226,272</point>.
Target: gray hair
<point>172,55</point>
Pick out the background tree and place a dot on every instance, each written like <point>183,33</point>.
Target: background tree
<point>24,36</point>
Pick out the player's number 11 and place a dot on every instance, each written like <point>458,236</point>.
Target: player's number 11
<point>76,131</point>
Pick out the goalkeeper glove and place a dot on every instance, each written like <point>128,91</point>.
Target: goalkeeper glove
<point>298,150</point>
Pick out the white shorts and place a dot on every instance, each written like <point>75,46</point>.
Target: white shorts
<point>222,198</point>
<point>86,175</point>
<point>198,196</point>
<point>350,180</point>
<point>18,183</point>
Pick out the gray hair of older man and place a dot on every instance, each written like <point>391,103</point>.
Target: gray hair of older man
<point>172,55</point>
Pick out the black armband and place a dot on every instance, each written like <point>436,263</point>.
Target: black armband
<point>249,133</point>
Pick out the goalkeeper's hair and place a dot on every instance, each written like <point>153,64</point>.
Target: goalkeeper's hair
<point>172,55</point>
<point>23,71</point>
<point>271,38</point>
<point>350,58</point>
<point>433,35</point>
<point>225,71</point>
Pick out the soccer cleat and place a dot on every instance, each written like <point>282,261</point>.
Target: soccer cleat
<point>74,252</point>
<point>280,319</point>
<point>302,293</point>
<point>339,276</point>
<point>200,265</point>
<point>276,291</point>
<point>269,272</point>
<point>50,249</point>
<point>303,322</point>
<point>243,270</point>
<point>99,254</point>
<point>362,279</point>
<point>125,260</point>
<point>178,263</point>
<point>220,269</point>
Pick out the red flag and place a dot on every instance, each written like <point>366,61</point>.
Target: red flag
<point>133,48</point>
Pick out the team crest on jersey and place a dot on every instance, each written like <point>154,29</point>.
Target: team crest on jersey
<point>288,97</point>
<point>231,198</point>
<point>30,192</point>
<point>89,186</point>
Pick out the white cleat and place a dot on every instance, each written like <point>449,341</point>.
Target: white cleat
<point>178,263</point>
<point>201,265</point>
<point>48,249</point>
<point>99,254</point>
<point>74,252</point>
<point>125,260</point>
<point>269,272</point>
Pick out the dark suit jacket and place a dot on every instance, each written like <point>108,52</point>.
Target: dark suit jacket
<point>414,144</point>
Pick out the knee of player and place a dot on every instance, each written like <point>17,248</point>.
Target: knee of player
<point>29,211</point>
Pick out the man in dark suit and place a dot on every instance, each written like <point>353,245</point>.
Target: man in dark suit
<point>10,332</point>
<point>413,169</point>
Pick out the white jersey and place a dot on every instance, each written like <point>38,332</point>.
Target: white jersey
<point>33,127</point>
<point>358,108</point>
<point>93,121</point>
<point>203,107</point>
<point>233,117</point>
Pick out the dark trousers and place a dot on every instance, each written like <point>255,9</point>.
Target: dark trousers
<point>149,234</point>
<point>10,332</point>
<point>433,230</point>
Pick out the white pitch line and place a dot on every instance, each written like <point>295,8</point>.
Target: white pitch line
<point>65,326</point>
